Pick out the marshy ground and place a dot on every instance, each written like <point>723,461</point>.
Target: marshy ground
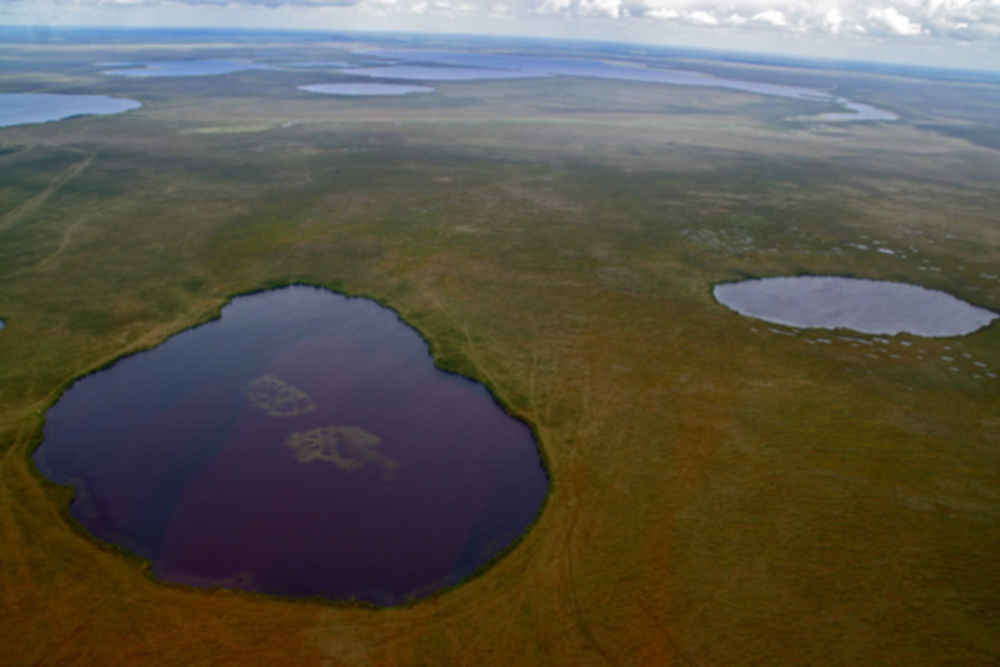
<point>724,491</point>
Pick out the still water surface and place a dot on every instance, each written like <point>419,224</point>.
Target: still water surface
<point>364,89</point>
<point>173,68</point>
<point>457,65</point>
<point>868,306</point>
<point>25,108</point>
<point>303,444</point>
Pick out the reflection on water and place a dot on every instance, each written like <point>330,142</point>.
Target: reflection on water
<point>24,108</point>
<point>303,444</point>
<point>868,306</point>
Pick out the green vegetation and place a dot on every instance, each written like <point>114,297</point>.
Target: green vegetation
<point>723,491</point>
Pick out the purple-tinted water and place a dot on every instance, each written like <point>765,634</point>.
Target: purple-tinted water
<point>304,444</point>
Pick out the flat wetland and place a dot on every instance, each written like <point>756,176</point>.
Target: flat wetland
<point>723,490</point>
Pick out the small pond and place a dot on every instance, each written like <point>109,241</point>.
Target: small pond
<point>364,89</point>
<point>868,306</point>
<point>304,444</point>
<point>26,108</point>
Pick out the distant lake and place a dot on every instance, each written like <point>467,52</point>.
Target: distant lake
<point>316,64</point>
<point>360,89</point>
<point>213,67</point>
<point>304,444</point>
<point>868,306</point>
<point>468,66</point>
<point>25,108</point>
<point>431,73</point>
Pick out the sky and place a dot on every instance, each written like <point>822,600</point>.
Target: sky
<point>948,33</point>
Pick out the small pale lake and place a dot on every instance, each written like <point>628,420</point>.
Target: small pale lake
<point>867,306</point>
<point>364,89</point>
<point>27,108</point>
<point>305,445</point>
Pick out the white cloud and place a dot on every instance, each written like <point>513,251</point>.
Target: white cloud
<point>771,16</point>
<point>891,20</point>
<point>702,18</point>
<point>832,21</point>
<point>663,13</point>
<point>968,19</point>
<point>963,20</point>
<point>610,8</point>
<point>553,7</point>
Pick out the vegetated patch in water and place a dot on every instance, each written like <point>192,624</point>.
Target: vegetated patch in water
<point>457,65</point>
<point>303,444</point>
<point>868,306</point>
<point>361,89</point>
<point>26,108</point>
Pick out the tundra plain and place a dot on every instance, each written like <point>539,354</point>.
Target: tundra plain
<point>723,491</point>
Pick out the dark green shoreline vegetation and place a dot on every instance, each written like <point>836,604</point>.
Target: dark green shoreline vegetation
<point>719,491</point>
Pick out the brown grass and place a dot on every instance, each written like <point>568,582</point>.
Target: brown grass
<point>720,494</point>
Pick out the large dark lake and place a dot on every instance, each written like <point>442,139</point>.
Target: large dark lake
<point>304,444</point>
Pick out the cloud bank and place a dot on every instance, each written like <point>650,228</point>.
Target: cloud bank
<point>964,19</point>
<point>955,19</point>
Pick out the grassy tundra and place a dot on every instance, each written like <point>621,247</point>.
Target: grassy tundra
<point>723,491</point>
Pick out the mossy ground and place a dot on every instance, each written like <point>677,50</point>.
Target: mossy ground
<point>723,492</point>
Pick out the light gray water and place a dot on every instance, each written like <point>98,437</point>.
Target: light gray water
<point>454,65</point>
<point>432,73</point>
<point>26,108</point>
<point>316,64</point>
<point>868,306</point>
<point>364,89</point>
<point>188,68</point>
